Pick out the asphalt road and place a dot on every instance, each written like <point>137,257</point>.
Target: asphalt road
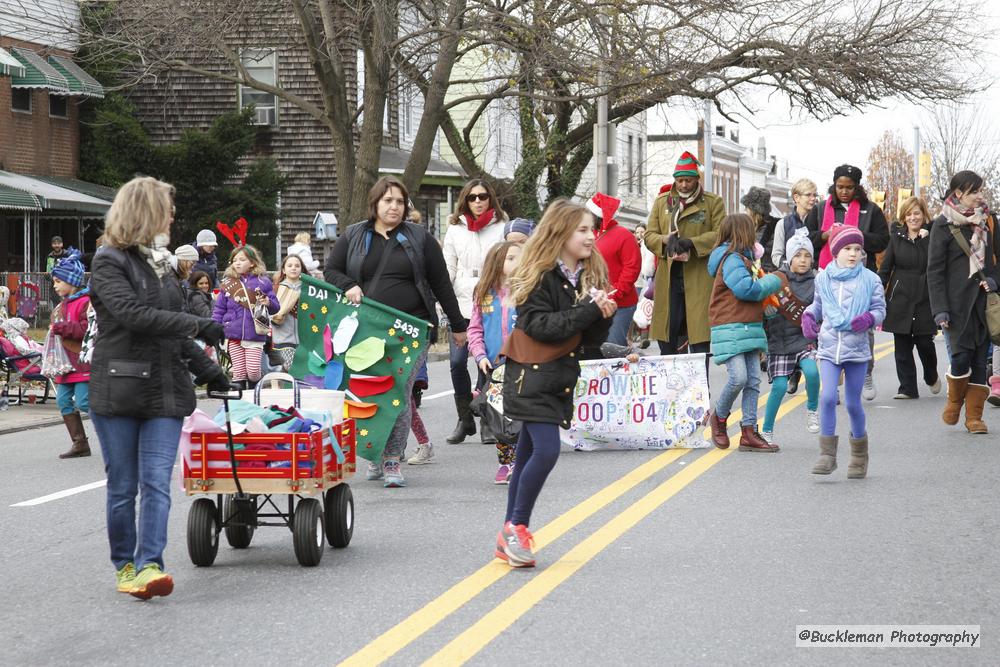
<point>694,557</point>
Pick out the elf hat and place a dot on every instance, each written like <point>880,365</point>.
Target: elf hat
<point>604,206</point>
<point>687,165</point>
<point>842,236</point>
<point>70,269</point>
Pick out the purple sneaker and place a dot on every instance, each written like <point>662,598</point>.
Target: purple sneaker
<point>503,474</point>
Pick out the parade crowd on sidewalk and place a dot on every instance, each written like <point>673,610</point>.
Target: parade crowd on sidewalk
<point>797,299</point>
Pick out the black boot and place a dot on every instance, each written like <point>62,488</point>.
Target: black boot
<point>793,381</point>
<point>466,425</point>
<point>486,434</point>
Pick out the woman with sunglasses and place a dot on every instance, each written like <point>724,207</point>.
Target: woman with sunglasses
<point>473,229</point>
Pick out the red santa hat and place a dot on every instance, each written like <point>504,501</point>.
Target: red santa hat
<point>604,206</point>
<point>666,188</point>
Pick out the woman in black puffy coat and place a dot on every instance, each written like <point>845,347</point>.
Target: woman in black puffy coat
<point>140,387</point>
<point>908,307</point>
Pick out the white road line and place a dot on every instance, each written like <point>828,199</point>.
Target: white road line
<point>61,494</point>
<point>440,395</point>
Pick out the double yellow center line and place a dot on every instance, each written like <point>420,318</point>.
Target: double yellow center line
<point>476,637</point>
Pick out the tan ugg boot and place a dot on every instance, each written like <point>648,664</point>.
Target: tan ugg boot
<point>975,400</point>
<point>956,397</point>
<point>827,455</point>
<point>858,466</point>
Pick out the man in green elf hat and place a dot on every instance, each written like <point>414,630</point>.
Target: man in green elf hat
<point>683,228</point>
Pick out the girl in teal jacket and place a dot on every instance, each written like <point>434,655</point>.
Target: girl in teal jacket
<point>736,317</point>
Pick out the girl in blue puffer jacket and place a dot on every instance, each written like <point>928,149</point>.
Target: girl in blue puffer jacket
<point>736,316</point>
<point>244,284</point>
<point>847,303</point>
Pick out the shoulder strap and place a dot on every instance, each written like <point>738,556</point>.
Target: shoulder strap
<point>964,245</point>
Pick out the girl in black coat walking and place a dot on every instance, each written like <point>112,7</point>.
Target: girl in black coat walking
<point>958,293</point>
<point>562,308</point>
<point>908,307</point>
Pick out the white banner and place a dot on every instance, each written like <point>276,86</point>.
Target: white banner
<point>656,403</point>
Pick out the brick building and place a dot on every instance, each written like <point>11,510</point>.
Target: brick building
<point>41,89</point>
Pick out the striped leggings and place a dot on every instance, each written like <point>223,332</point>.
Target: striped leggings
<point>246,361</point>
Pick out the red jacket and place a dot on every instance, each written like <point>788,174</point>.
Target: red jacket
<point>620,251</point>
<point>71,324</point>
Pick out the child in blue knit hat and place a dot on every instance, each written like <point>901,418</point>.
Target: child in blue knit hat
<point>69,322</point>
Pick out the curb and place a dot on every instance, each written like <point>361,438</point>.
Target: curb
<point>54,421</point>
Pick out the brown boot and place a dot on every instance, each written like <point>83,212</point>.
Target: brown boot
<point>74,424</point>
<point>720,437</point>
<point>858,466</point>
<point>956,396</point>
<point>827,455</point>
<point>752,441</point>
<point>975,399</point>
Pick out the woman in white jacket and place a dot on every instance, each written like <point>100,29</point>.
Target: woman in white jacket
<point>473,229</point>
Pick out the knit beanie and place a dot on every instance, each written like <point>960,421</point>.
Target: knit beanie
<point>186,253</point>
<point>520,225</point>
<point>848,170</point>
<point>206,237</point>
<point>798,241</point>
<point>757,200</point>
<point>842,235</point>
<point>70,269</point>
<point>687,165</point>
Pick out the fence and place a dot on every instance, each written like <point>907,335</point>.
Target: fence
<point>31,296</point>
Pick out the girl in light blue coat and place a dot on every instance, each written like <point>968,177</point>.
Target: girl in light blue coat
<point>848,302</point>
<point>736,316</point>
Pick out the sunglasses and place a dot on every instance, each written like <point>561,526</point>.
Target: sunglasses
<point>482,196</point>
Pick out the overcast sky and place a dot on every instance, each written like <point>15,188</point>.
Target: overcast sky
<point>814,148</point>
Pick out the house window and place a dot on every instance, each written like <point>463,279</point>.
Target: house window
<point>262,65</point>
<point>361,94</point>
<point>406,112</point>
<point>20,100</point>
<point>58,106</point>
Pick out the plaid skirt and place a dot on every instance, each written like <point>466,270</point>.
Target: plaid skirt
<point>782,365</point>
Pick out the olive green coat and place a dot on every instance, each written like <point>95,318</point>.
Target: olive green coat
<point>699,222</point>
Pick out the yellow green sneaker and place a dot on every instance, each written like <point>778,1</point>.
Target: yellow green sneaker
<point>125,577</point>
<point>151,581</point>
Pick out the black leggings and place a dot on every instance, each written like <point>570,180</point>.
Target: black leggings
<point>536,456</point>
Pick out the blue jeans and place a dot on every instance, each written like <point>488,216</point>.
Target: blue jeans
<point>620,324</point>
<point>73,397</point>
<point>743,374</point>
<point>139,455</point>
<point>459,358</point>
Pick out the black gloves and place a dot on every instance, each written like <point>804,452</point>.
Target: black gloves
<point>211,332</point>
<point>215,378</point>
<point>685,245</point>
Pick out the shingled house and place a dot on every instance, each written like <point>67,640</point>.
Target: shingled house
<point>301,146</point>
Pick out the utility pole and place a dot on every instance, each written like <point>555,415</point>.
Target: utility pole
<point>708,134</point>
<point>916,161</point>
<point>601,131</point>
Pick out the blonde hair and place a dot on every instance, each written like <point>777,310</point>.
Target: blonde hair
<point>803,185</point>
<point>492,275</point>
<point>303,237</point>
<point>541,252</point>
<point>142,209</point>
<point>257,267</point>
<point>907,208</point>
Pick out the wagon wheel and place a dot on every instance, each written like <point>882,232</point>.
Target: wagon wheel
<point>202,532</point>
<point>238,536</point>
<point>307,532</point>
<point>338,509</point>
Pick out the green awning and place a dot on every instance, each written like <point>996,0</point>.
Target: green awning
<point>80,83</point>
<point>18,200</point>
<point>83,187</point>
<point>9,65</point>
<point>37,73</point>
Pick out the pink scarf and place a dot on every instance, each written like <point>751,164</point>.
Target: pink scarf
<point>829,219</point>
